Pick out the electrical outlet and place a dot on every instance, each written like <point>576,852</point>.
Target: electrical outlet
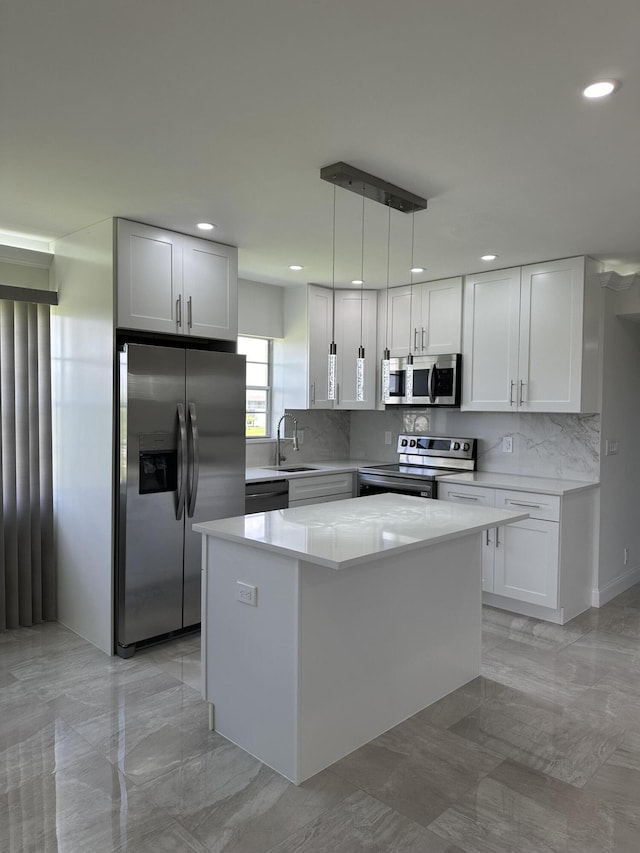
<point>301,436</point>
<point>507,444</point>
<point>247,594</point>
<point>387,438</point>
<point>611,447</point>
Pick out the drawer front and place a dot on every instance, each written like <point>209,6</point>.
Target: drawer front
<point>537,505</point>
<point>470,495</point>
<point>306,488</point>
<point>325,499</point>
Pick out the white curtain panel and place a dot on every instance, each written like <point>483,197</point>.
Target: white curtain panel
<point>27,563</point>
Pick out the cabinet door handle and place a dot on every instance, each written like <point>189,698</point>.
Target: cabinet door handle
<point>424,346</point>
<point>189,313</point>
<point>466,497</point>
<point>312,393</point>
<point>497,537</point>
<point>522,386</point>
<point>415,339</point>
<point>511,384</point>
<point>487,534</point>
<point>337,393</point>
<point>179,310</point>
<point>522,503</point>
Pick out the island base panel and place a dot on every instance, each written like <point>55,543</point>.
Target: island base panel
<point>330,659</point>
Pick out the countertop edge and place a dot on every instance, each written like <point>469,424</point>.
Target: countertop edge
<point>519,482</point>
<point>504,517</point>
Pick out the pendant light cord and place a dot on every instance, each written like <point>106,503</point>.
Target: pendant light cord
<point>333,272</point>
<point>362,266</point>
<point>386,328</point>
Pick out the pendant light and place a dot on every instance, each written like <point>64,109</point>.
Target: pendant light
<point>360,358</point>
<point>408,374</point>
<point>333,350</point>
<point>386,363</point>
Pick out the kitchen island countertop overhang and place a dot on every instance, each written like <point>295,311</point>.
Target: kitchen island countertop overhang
<point>325,661</point>
<point>350,532</point>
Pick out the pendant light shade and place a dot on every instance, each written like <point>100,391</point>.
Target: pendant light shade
<point>333,349</point>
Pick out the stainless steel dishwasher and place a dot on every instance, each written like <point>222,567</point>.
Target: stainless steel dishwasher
<point>266,495</point>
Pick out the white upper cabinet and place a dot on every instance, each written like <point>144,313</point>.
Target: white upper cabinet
<point>530,339</point>
<point>172,283</point>
<point>490,340</point>
<point>210,289</point>
<point>302,356</point>
<point>356,315</point>
<point>424,319</point>
<point>437,317</point>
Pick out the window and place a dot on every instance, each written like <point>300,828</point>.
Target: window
<point>258,406</point>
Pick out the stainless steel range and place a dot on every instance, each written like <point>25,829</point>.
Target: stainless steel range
<point>421,460</point>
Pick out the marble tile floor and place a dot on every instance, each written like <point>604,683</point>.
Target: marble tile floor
<point>541,753</point>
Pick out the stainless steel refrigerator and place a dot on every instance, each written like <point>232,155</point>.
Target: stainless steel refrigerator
<point>181,438</point>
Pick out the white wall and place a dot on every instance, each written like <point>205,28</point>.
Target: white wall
<point>620,473</point>
<point>82,340</point>
<point>260,309</point>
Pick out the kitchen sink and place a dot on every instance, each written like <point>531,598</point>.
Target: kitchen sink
<point>291,469</point>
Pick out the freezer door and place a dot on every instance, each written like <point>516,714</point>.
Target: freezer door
<point>151,508</point>
<point>215,404</point>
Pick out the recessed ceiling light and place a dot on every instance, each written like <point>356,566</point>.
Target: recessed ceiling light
<point>296,267</point>
<point>488,257</point>
<point>601,88</point>
<point>357,281</point>
<point>206,226</point>
<point>416,269</point>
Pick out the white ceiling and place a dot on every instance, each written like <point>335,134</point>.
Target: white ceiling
<point>172,112</point>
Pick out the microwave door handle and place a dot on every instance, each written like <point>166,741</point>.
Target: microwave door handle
<point>195,460</point>
<point>432,384</point>
<point>182,444</point>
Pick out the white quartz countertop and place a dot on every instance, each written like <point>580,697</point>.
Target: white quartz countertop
<point>350,532</point>
<point>518,483</point>
<point>334,466</point>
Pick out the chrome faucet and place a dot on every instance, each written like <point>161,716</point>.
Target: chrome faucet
<point>279,457</point>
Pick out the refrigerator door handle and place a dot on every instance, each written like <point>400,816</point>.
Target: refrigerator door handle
<point>195,460</point>
<point>182,445</point>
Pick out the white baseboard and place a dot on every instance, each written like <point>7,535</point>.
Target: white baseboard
<point>601,595</point>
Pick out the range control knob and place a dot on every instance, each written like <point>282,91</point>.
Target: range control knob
<point>466,446</point>
<point>412,442</point>
<point>404,442</point>
<point>456,445</point>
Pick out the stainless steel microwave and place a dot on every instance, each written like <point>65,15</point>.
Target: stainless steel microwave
<point>436,381</point>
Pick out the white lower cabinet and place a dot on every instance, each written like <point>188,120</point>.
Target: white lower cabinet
<point>542,566</point>
<point>320,488</point>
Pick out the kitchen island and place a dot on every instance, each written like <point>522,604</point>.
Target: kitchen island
<point>326,625</point>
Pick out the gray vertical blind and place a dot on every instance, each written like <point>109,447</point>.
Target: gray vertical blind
<point>27,562</point>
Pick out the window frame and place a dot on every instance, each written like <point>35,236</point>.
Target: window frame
<point>266,388</point>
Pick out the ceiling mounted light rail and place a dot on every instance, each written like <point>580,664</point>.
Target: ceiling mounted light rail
<point>349,178</point>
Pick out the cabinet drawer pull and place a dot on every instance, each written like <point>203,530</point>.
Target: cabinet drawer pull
<point>522,503</point>
<point>466,497</point>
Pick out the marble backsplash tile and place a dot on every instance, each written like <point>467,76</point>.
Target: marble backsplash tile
<point>326,437</point>
<point>544,445</point>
